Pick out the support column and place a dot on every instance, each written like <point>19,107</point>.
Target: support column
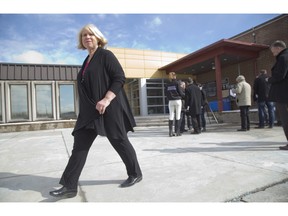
<point>256,70</point>
<point>143,97</point>
<point>218,75</point>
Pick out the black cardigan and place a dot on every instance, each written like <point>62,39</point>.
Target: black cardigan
<point>104,73</point>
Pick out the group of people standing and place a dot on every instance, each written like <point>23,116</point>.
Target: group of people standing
<point>266,108</point>
<point>185,99</point>
<point>266,91</point>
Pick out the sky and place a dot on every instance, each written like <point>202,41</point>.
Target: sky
<point>52,38</point>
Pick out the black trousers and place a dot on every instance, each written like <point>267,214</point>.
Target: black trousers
<point>83,139</point>
<point>196,123</point>
<point>245,120</point>
<point>182,119</point>
<point>283,114</point>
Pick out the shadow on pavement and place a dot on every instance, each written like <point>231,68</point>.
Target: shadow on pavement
<point>41,184</point>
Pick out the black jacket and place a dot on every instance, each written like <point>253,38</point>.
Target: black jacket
<point>103,73</point>
<point>261,88</point>
<point>279,78</point>
<point>193,100</point>
<point>173,90</point>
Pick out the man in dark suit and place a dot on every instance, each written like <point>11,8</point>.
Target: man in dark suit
<point>193,102</point>
<point>261,90</point>
<point>279,84</point>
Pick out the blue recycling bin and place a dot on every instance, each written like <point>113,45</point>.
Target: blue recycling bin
<point>226,105</point>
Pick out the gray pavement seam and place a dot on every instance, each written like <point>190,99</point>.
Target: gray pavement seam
<point>65,144</point>
<point>241,197</point>
<point>239,162</point>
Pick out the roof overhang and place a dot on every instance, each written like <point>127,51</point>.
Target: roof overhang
<point>229,51</point>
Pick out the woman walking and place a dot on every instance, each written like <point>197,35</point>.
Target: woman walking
<point>103,110</point>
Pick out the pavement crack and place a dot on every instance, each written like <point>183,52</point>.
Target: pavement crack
<point>241,198</point>
<point>239,162</point>
<point>65,144</point>
<point>82,194</point>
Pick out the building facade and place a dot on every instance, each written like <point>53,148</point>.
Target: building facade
<point>217,65</point>
<point>42,92</point>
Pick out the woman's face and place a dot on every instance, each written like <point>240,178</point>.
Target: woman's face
<point>89,40</point>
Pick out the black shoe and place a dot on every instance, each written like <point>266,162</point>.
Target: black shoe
<point>64,192</point>
<point>172,134</point>
<point>131,181</point>
<point>242,129</point>
<point>283,147</point>
<point>259,127</point>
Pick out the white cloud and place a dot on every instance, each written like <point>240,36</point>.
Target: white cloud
<point>154,23</point>
<point>51,57</point>
<point>139,45</point>
<point>101,16</point>
<point>209,32</point>
<point>30,56</point>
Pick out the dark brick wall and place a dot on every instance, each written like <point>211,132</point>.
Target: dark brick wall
<point>267,33</point>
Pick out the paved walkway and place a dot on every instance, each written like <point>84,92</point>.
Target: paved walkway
<point>221,165</point>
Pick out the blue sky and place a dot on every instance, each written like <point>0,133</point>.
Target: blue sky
<point>52,38</point>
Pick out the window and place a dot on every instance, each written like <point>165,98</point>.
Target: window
<point>1,102</point>
<point>132,91</point>
<point>66,101</point>
<point>156,96</point>
<point>18,101</point>
<point>43,100</point>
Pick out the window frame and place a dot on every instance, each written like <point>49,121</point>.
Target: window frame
<point>57,85</point>
<point>34,105</point>
<point>8,102</point>
<point>2,102</point>
<point>161,87</point>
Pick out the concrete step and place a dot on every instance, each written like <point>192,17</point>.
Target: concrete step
<point>146,121</point>
<point>162,120</point>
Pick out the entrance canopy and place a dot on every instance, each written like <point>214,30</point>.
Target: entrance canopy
<point>229,52</point>
<point>215,57</point>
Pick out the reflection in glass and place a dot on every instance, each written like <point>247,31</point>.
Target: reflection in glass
<point>156,96</point>
<point>155,110</point>
<point>1,117</point>
<point>155,92</point>
<point>67,104</point>
<point>43,101</point>
<point>155,101</point>
<point>132,91</point>
<point>19,102</point>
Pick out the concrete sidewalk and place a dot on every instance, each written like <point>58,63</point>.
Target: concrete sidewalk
<point>220,165</point>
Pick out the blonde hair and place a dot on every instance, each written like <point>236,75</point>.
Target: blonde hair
<point>102,41</point>
<point>172,75</point>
